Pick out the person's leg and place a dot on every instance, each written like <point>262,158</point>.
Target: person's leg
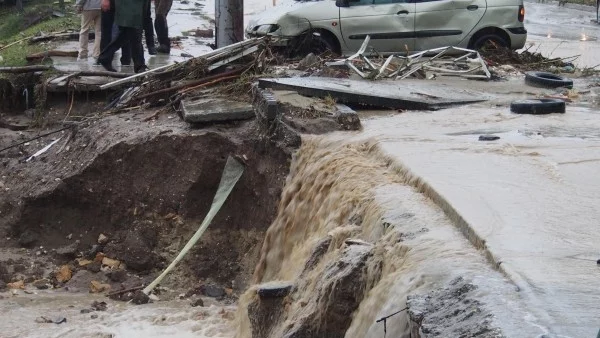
<point>137,50</point>
<point>107,54</point>
<point>108,20</point>
<point>162,8</point>
<point>97,32</point>
<point>126,54</point>
<point>86,23</point>
<point>148,28</point>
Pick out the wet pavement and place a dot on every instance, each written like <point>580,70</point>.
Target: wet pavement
<point>531,196</point>
<point>563,32</point>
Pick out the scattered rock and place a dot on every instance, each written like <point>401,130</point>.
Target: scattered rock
<point>111,263</point>
<point>86,311</point>
<point>28,238</point>
<point>102,239</point>
<point>97,287</point>
<point>94,250</point>
<point>317,253</point>
<point>43,320</point>
<point>309,61</point>
<point>42,284</point>
<point>99,306</point>
<point>94,316</point>
<point>488,137</point>
<point>19,268</point>
<point>16,285</point>
<point>60,320</point>
<point>197,302</point>
<point>4,274</point>
<point>274,290</point>
<point>84,262</point>
<point>94,267</point>
<point>139,297</point>
<point>64,274</point>
<point>212,291</point>
<point>117,276</point>
<point>453,311</point>
<point>69,236</point>
<point>69,251</point>
<point>135,249</point>
<point>598,262</point>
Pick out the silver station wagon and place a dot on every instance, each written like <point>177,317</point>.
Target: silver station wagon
<point>395,26</point>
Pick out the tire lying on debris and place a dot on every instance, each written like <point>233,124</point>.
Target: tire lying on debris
<point>547,80</point>
<point>538,106</point>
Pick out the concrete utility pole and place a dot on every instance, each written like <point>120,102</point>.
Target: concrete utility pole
<point>229,18</point>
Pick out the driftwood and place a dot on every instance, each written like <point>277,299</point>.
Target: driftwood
<point>46,54</point>
<point>59,36</point>
<point>24,69</point>
<point>14,43</point>
<point>195,83</point>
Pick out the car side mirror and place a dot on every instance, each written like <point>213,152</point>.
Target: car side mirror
<point>342,3</point>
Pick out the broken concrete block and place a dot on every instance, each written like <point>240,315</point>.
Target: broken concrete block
<point>386,94</point>
<point>266,104</point>
<point>215,110</point>
<point>347,118</point>
<point>274,290</point>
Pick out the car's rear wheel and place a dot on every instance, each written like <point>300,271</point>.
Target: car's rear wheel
<point>490,42</point>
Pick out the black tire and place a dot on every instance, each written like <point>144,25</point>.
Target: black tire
<point>538,106</point>
<point>316,42</point>
<point>547,80</point>
<point>489,41</point>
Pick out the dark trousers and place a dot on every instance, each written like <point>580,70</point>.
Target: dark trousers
<point>127,36</point>
<point>107,20</point>
<point>162,8</point>
<point>148,29</point>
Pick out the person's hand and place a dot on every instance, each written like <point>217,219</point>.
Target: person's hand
<point>79,9</point>
<point>105,5</point>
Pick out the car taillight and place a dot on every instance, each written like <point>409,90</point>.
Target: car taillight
<point>521,13</point>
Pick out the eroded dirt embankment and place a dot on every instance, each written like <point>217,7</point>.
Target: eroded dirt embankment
<point>146,186</point>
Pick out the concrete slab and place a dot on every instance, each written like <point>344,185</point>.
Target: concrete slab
<point>215,110</point>
<point>426,95</point>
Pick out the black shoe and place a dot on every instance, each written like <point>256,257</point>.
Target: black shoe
<point>107,65</point>
<point>152,50</point>
<point>163,49</point>
<point>141,69</point>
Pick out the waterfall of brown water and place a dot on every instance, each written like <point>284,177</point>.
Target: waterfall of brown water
<point>354,241</point>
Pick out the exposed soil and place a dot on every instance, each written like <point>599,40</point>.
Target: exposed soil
<point>146,186</point>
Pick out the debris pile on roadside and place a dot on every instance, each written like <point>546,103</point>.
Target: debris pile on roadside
<point>526,60</point>
<point>444,61</point>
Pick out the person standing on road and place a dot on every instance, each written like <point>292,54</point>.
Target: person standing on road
<point>129,16</point>
<point>110,31</point>
<point>90,17</point>
<point>161,10</point>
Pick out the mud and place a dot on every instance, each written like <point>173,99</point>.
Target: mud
<point>146,186</point>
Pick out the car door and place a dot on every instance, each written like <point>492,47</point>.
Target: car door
<point>440,23</point>
<point>390,23</point>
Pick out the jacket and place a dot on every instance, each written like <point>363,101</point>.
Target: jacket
<point>130,13</point>
<point>88,5</point>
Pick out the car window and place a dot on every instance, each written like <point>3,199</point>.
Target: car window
<point>381,2</point>
<point>360,2</point>
<point>378,2</point>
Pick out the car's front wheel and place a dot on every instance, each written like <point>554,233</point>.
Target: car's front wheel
<point>489,42</point>
<point>315,42</point>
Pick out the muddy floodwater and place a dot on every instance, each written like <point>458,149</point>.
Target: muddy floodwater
<point>412,203</point>
<point>532,196</point>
